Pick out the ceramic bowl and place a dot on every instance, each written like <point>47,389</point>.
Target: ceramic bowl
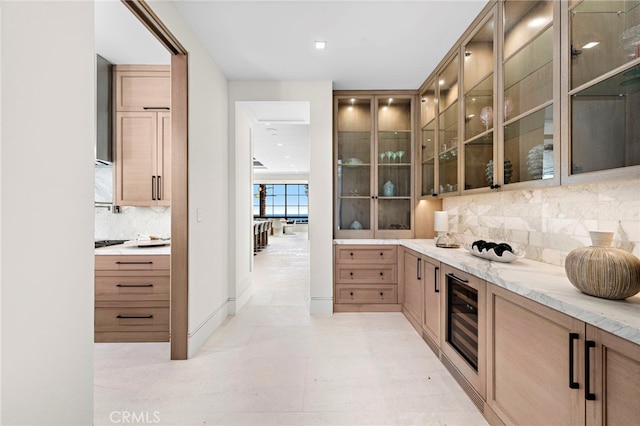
<point>507,256</point>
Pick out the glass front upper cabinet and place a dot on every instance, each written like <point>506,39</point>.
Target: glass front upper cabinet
<point>478,107</point>
<point>428,108</point>
<point>448,114</point>
<point>354,174</point>
<point>604,85</point>
<point>528,107</point>
<point>394,158</point>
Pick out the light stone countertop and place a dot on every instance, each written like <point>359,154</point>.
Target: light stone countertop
<point>122,249</point>
<point>541,282</point>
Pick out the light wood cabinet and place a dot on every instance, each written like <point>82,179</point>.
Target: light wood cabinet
<point>143,159</point>
<point>420,280</point>
<point>546,367</point>
<point>373,181</point>
<point>413,306</point>
<point>614,379</point>
<point>143,135</point>
<point>366,278</point>
<point>132,296</point>
<point>142,87</point>
<point>531,352</point>
<point>431,316</point>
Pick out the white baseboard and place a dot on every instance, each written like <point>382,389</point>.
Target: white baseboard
<point>321,305</point>
<point>201,333</point>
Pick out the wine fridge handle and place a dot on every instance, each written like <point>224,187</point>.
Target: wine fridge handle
<point>462,280</point>
<point>572,338</point>
<point>588,395</point>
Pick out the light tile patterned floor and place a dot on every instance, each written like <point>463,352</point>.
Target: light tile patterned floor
<point>274,364</point>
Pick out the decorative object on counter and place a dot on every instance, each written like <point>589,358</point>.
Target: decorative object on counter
<point>508,171</point>
<point>388,189</point>
<point>441,226</point>
<point>603,271</point>
<point>500,252</point>
<point>355,225</point>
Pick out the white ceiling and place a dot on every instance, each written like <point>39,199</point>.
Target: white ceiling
<point>371,44</point>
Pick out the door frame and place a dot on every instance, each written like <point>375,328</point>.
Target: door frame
<point>179,332</point>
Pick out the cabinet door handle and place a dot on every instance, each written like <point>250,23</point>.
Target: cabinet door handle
<point>163,108</point>
<point>153,188</point>
<point>121,262</point>
<point>351,254</point>
<point>462,280</point>
<point>133,285</point>
<point>381,254</point>
<point>351,275</point>
<point>134,316</point>
<point>418,263</point>
<point>435,279</point>
<point>351,294</point>
<point>588,345</point>
<point>572,338</point>
<point>382,295</point>
<point>381,274</point>
<point>159,190</point>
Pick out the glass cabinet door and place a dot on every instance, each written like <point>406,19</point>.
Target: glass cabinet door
<point>428,102</point>
<point>448,128</point>
<point>354,164</point>
<point>394,156</point>
<point>478,108</point>
<point>528,112</point>
<point>604,85</point>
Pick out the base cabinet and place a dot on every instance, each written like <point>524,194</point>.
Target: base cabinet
<point>413,287</point>
<point>546,367</point>
<point>132,298</point>
<point>366,278</point>
<point>431,314</point>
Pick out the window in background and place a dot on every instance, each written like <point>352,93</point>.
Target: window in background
<point>282,200</point>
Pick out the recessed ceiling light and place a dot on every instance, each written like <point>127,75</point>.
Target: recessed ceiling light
<point>279,143</point>
<point>441,82</point>
<point>591,44</point>
<point>320,45</point>
<point>287,156</point>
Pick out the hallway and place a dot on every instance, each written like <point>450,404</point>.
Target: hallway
<point>274,364</point>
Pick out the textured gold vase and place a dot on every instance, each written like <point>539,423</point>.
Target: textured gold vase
<point>603,271</point>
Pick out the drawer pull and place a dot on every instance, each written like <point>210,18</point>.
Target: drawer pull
<point>351,254</point>
<point>134,285</point>
<point>351,294</point>
<point>382,294</point>
<point>462,280</point>
<point>382,254</point>
<point>572,383</point>
<point>381,274</point>
<point>155,107</point>
<point>588,345</point>
<point>351,275</point>
<point>119,262</point>
<point>134,316</point>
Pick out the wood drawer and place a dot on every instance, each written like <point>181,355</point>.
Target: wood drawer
<point>365,254</point>
<point>105,262</point>
<point>366,274</point>
<point>366,293</point>
<point>132,316</point>
<point>147,287</point>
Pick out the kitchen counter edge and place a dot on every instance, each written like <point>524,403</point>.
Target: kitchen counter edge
<point>122,249</point>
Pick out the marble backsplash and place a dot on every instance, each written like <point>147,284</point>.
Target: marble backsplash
<point>131,222</point>
<point>548,223</point>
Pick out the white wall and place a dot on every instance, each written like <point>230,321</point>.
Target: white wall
<point>319,94</point>
<point>46,222</point>
<point>208,183</point>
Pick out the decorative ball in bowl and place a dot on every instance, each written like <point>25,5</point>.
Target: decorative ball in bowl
<point>499,252</point>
